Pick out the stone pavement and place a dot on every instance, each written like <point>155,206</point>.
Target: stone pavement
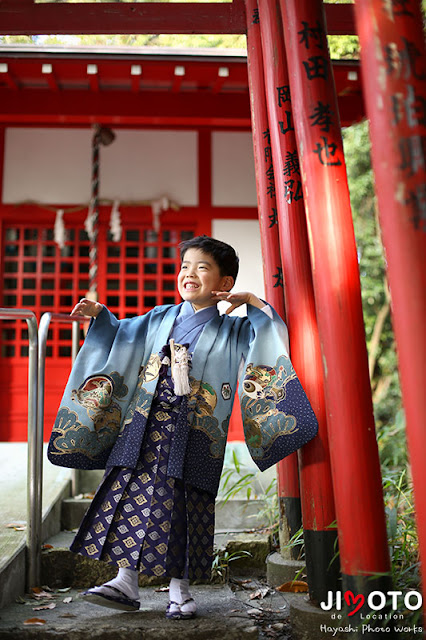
<point>224,612</point>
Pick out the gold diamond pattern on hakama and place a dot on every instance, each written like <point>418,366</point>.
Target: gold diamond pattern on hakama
<point>141,518</point>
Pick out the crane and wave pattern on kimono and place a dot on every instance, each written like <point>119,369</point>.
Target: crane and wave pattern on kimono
<point>97,394</point>
<point>264,388</point>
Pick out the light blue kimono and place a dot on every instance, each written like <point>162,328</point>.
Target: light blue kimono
<point>107,400</point>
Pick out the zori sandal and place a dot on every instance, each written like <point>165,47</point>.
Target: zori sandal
<point>184,611</point>
<point>111,597</point>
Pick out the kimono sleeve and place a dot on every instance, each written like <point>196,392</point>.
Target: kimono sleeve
<point>277,416</point>
<point>98,392</point>
<point>99,338</point>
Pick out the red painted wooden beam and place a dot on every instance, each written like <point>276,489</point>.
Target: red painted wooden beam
<point>353,447</point>
<point>24,17</point>
<point>316,489</point>
<point>288,473</point>
<point>130,108</point>
<point>393,50</point>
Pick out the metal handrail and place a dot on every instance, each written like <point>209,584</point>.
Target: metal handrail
<point>35,448</point>
<point>45,320</point>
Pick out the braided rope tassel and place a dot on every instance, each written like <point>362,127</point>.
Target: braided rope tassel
<point>180,368</point>
<point>94,214</point>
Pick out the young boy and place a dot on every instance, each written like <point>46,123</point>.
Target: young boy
<point>150,398</point>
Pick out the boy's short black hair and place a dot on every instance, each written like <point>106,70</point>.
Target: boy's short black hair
<point>223,254</point>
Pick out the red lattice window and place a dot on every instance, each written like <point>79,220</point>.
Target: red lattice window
<point>134,275</point>
<point>141,270</point>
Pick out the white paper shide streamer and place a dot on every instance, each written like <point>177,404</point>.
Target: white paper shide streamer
<point>158,206</point>
<point>115,222</point>
<point>89,222</point>
<point>59,231</point>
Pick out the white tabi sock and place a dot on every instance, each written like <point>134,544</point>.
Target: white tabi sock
<point>179,593</point>
<point>126,581</point>
<point>179,590</point>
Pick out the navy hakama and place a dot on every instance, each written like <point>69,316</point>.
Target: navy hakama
<point>143,519</point>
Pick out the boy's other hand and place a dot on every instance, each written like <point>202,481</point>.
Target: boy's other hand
<point>237,299</point>
<point>86,307</point>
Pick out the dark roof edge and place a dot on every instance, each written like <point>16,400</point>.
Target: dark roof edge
<point>30,50</point>
<point>132,53</point>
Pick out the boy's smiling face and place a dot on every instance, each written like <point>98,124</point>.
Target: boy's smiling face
<point>200,275</point>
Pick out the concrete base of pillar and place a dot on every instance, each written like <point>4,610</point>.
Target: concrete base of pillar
<point>308,621</point>
<point>280,570</point>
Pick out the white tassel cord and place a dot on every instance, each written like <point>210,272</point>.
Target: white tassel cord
<point>180,368</point>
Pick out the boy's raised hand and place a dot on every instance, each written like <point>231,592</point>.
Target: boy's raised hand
<point>237,299</point>
<point>86,307</point>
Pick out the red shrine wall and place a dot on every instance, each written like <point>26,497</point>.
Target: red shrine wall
<point>208,180</point>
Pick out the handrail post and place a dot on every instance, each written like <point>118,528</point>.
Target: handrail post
<point>35,449</point>
<point>45,320</point>
<point>35,463</point>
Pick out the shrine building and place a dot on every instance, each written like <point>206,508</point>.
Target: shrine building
<point>180,165</point>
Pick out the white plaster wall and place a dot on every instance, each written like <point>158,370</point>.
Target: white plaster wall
<point>54,166</point>
<point>47,165</point>
<point>151,164</point>
<point>233,173</point>
<point>244,236</point>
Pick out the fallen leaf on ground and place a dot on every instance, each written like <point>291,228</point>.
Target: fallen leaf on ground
<point>260,593</point>
<point>34,621</point>
<point>18,526</point>
<point>64,590</point>
<point>39,593</point>
<point>20,600</point>
<point>46,546</point>
<point>51,605</point>
<point>68,615</point>
<point>162,589</point>
<point>67,600</point>
<point>46,588</point>
<point>296,586</point>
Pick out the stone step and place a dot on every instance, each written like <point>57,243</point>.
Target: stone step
<point>231,515</point>
<point>13,510</point>
<point>220,615</point>
<point>61,568</point>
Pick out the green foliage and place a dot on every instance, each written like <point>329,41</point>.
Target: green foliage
<point>402,535</point>
<point>234,482</point>
<point>392,445</point>
<point>186,41</point>
<point>19,40</point>
<point>297,542</point>
<point>221,562</point>
<point>343,47</point>
<point>375,296</point>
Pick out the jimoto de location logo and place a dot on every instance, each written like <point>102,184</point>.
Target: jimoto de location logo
<point>376,601</point>
<point>377,606</point>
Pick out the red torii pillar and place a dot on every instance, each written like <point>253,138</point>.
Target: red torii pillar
<point>393,58</point>
<point>317,498</point>
<point>288,475</point>
<point>353,447</point>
